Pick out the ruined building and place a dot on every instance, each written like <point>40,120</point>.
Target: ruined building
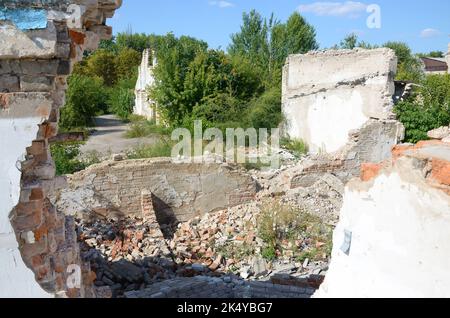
<point>39,43</point>
<point>392,236</point>
<point>144,106</point>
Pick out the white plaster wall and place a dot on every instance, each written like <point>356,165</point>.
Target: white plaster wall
<point>143,105</point>
<point>16,280</point>
<point>400,239</point>
<point>328,94</point>
<point>330,118</point>
<point>448,58</point>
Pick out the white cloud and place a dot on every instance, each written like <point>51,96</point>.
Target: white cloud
<point>429,33</point>
<point>350,9</point>
<point>222,4</point>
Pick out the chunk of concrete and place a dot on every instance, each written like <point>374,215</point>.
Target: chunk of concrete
<point>328,94</point>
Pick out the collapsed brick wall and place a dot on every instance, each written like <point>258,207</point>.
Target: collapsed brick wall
<point>39,43</point>
<point>180,190</point>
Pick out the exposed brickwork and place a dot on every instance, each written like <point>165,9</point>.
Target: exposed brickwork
<point>370,171</point>
<point>183,191</point>
<point>431,154</point>
<point>225,287</point>
<point>32,85</point>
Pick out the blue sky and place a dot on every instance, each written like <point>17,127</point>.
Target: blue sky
<point>424,24</point>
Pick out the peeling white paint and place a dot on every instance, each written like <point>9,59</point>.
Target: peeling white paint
<point>400,239</point>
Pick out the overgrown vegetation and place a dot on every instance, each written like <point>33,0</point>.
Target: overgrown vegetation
<point>297,147</point>
<point>162,148</point>
<point>288,230</point>
<point>66,157</point>
<point>141,127</point>
<point>237,88</point>
<point>427,109</point>
<point>103,83</point>
<point>85,98</point>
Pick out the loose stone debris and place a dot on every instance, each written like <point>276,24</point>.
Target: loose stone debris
<point>132,255</point>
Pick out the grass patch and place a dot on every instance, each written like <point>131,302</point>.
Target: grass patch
<point>143,128</point>
<point>234,251</point>
<point>296,146</point>
<point>162,148</point>
<point>256,166</point>
<point>294,232</point>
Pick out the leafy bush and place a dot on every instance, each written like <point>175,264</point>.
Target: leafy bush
<point>428,109</point>
<point>265,111</point>
<point>84,99</point>
<point>409,65</point>
<point>418,120</point>
<point>121,102</point>
<point>217,109</point>
<point>66,159</point>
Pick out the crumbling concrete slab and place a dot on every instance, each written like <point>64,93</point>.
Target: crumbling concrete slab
<point>326,95</point>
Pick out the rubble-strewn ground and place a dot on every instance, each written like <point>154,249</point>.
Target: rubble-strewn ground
<point>256,241</point>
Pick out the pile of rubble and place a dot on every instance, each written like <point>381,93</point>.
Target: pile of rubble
<point>442,133</point>
<point>320,193</point>
<point>133,254</point>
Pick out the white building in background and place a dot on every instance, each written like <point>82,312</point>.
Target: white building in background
<point>144,106</point>
<point>448,58</point>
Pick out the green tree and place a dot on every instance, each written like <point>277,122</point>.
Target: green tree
<point>427,109</point>
<point>252,40</point>
<point>409,66</point>
<point>268,42</point>
<point>102,64</point>
<point>136,41</point>
<point>126,63</point>
<point>109,45</point>
<point>121,100</point>
<point>434,54</point>
<point>174,57</point>
<point>85,97</point>
<point>350,42</point>
<point>265,111</point>
<point>300,35</point>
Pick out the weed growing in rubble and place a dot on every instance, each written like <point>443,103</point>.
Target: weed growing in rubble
<point>289,231</point>
<point>296,146</point>
<point>235,251</point>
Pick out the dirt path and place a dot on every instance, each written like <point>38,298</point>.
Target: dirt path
<point>109,138</point>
